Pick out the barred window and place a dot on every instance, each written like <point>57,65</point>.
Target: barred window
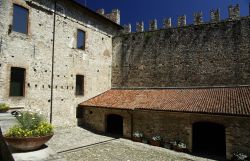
<point>17,81</point>
<point>79,85</point>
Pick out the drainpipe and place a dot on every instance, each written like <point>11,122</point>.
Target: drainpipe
<point>52,63</point>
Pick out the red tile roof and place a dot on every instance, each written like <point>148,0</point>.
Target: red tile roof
<point>232,101</point>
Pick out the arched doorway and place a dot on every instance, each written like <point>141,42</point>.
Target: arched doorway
<point>114,124</point>
<point>209,140</point>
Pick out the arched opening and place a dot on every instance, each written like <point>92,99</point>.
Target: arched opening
<point>209,140</point>
<point>114,125</point>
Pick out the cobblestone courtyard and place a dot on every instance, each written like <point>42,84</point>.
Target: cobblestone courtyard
<point>76,144</point>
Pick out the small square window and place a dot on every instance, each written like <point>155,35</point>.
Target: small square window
<point>17,81</point>
<point>79,85</point>
<point>20,19</point>
<point>80,39</point>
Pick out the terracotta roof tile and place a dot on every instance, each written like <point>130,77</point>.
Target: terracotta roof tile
<point>232,101</point>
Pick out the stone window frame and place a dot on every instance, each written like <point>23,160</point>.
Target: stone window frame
<point>26,6</point>
<point>83,85</point>
<point>85,39</point>
<point>24,81</point>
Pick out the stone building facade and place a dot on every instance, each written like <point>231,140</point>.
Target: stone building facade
<point>188,83</point>
<point>33,52</point>
<point>209,54</point>
<point>172,82</point>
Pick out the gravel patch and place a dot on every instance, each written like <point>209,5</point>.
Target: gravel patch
<point>77,144</point>
<point>126,150</point>
<point>74,137</point>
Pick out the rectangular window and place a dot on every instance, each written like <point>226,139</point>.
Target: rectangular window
<point>80,39</point>
<point>17,81</point>
<point>79,84</point>
<point>20,19</point>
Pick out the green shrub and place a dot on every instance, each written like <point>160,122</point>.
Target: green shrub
<point>4,106</point>
<point>29,120</point>
<point>30,125</point>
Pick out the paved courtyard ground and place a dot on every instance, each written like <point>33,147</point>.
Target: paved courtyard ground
<point>77,144</point>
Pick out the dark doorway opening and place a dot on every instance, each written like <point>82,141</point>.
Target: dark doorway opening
<point>17,81</point>
<point>79,85</point>
<point>114,125</point>
<point>209,140</point>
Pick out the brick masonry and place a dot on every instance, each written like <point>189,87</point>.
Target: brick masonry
<point>210,54</point>
<point>34,53</point>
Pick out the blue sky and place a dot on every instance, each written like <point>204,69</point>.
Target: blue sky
<point>133,11</point>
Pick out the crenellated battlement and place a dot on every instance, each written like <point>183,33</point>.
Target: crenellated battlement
<point>182,21</point>
<point>114,16</point>
<point>215,16</point>
<point>153,25</point>
<point>167,23</point>
<point>233,14</point>
<point>198,18</point>
<point>139,26</point>
<point>208,54</point>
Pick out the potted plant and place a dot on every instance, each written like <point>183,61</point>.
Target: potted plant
<point>179,146</point>
<point>31,132</point>
<point>239,157</point>
<point>144,140</point>
<point>173,145</point>
<point>4,107</point>
<point>167,145</point>
<point>155,141</point>
<point>137,136</point>
<point>182,147</point>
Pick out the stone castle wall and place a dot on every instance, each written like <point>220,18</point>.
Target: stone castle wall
<point>201,54</point>
<point>34,53</point>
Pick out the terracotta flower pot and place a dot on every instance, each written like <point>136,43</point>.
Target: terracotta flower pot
<point>176,148</point>
<point>154,143</point>
<point>27,144</point>
<point>136,139</point>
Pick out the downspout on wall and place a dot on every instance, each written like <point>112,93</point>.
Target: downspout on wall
<point>52,63</point>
